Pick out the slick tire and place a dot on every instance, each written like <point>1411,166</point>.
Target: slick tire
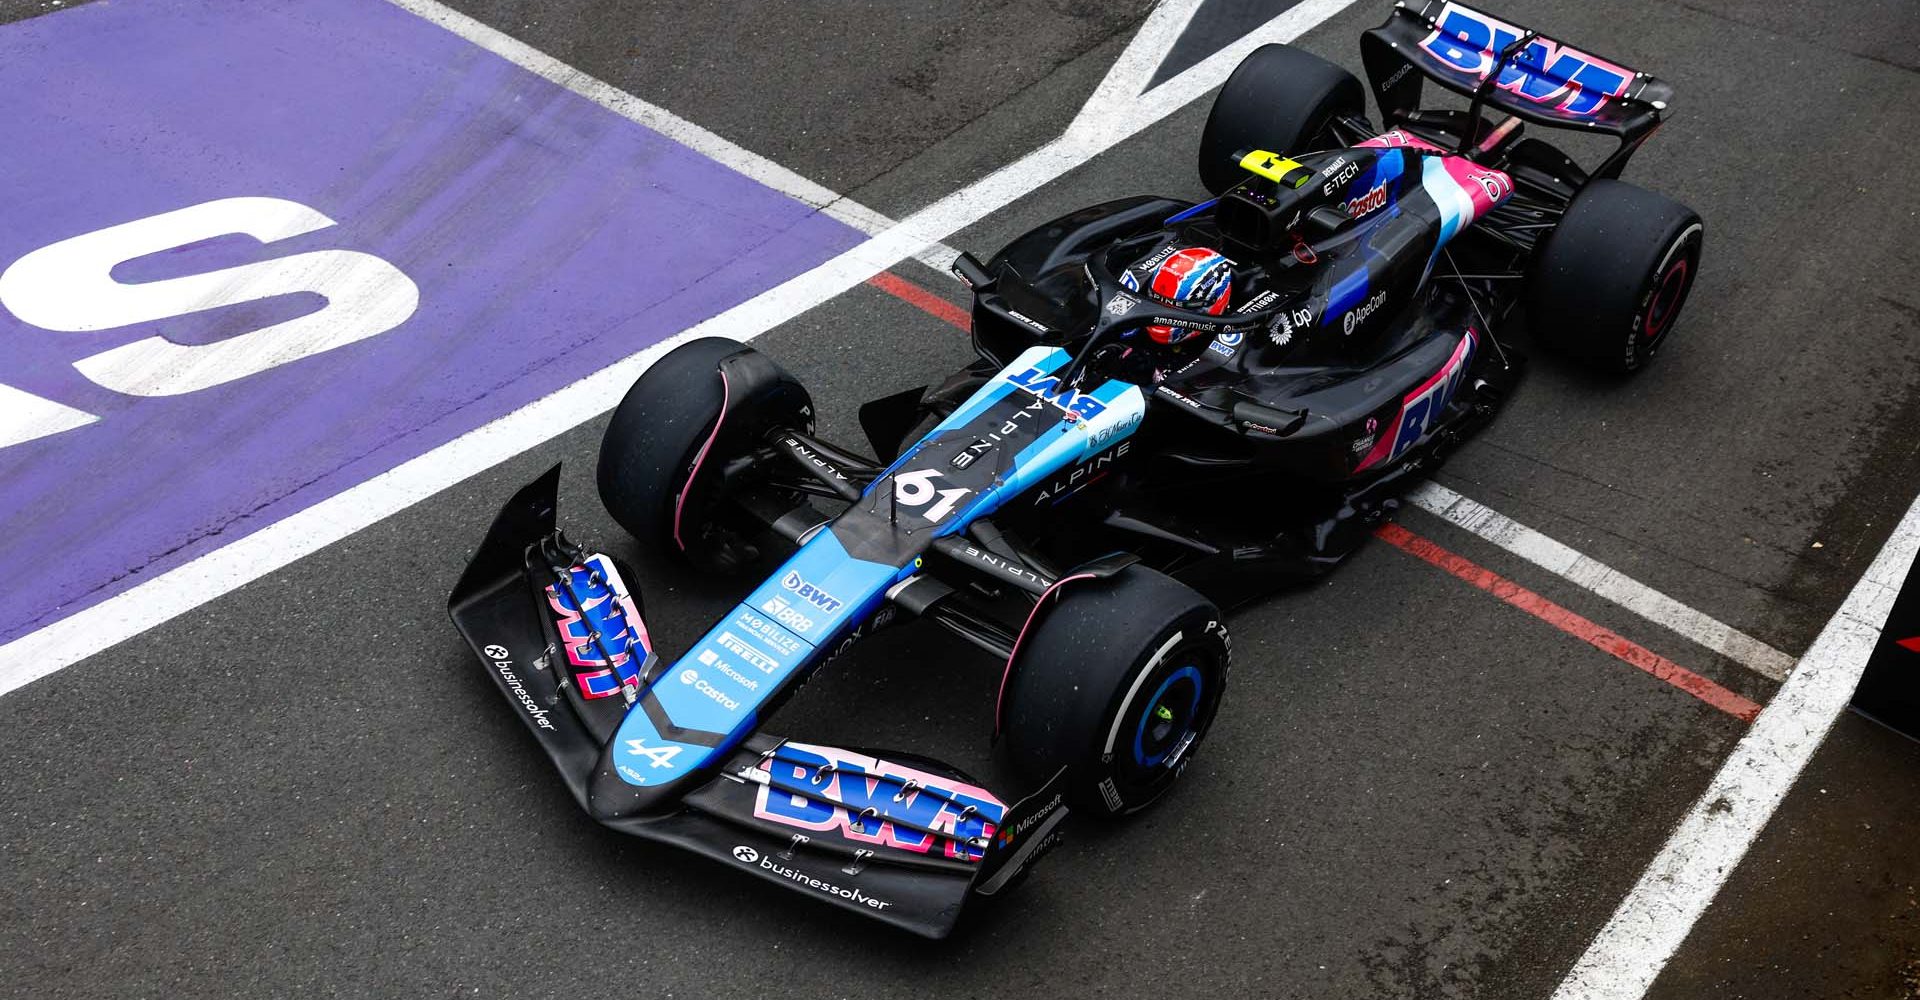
<point>1279,99</point>
<point>1118,683</point>
<point>1609,284</point>
<point>704,403</point>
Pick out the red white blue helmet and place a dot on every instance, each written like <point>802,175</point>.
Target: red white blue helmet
<point>1194,278</point>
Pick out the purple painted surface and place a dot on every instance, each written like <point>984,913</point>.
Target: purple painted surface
<point>548,237</point>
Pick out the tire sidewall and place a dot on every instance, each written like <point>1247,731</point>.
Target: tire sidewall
<point>1683,250</point>
<point>1090,668</point>
<point>1126,787</point>
<point>666,425</point>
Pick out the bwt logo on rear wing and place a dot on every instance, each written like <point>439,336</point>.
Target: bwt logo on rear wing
<point>1559,80</point>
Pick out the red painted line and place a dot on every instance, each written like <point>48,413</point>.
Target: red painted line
<point>1912,644</point>
<point>922,299</point>
<point>1574,625</point>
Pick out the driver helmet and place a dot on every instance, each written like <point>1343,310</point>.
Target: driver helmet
<point>1195,278</point>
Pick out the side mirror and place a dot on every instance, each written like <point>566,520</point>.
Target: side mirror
<point>969,269</point>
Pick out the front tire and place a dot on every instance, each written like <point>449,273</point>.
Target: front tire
<point>1117,683</point>
<point>1608,285</point>
<point>1280,99</point>
<point>705,402</point>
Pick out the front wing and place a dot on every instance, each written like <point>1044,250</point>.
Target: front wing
<point>905,840</point>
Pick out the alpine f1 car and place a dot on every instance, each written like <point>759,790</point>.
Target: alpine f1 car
<point>1175,406</point>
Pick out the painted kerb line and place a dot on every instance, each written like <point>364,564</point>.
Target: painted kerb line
<point>1604,580</point>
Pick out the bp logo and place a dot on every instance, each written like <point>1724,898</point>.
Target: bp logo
<point>746,854</point>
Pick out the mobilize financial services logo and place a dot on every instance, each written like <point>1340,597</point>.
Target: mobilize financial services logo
<point>748,856</point>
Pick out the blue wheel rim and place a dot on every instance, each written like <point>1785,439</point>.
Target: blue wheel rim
<point>1166,723</point>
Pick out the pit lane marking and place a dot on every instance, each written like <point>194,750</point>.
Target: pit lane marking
<point>1643,934</point>
<point>923,299</point>
<point>188,586</point>
<point>1609,642</point>
<point>1596,576</point>
<point>831,203</point>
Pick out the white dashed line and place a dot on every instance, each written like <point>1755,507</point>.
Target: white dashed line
<point>1604,580</point>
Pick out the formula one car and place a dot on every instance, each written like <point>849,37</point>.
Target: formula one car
<point>1175,406</point>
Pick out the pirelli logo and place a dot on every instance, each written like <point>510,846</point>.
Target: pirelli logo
<point>732,644</point>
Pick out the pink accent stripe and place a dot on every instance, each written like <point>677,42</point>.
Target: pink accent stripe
<point>680,501</point>
<point>1000,699</point>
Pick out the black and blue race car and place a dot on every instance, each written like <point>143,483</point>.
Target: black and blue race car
<point>1175,407</point>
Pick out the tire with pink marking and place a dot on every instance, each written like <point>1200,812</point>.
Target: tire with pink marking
<point>1609,283</point>
<point>706,402</point>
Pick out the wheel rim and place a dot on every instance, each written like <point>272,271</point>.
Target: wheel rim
<point>1666,299</point>
<point>1170,721</point>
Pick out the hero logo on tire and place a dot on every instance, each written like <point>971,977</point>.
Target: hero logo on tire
<point>745,854</point>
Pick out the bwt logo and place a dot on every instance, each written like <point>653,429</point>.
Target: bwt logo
<point>866,799</point>
<point>809,593</point>
<point>1047,387</point>
<point>1546,73</point>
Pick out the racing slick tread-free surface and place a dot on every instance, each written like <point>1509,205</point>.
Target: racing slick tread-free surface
<point>1077,666</point>
<point>664,421</point>
<point>1278,100</point>
<point>1589,288</point>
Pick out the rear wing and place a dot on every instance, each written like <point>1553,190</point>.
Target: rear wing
<point>1522,72</point>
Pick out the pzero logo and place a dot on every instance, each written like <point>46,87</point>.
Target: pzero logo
<point>69,287</point>
<point>810,593</point>
<point>1558,76</point>
<point>746,854</point>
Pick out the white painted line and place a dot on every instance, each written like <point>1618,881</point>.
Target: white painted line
<point>746,162</point>
<point>1128,75</point>
<point>238,563</point>
<point>1604,580</point>
<point>1629,952</point>
<point>24,416</point>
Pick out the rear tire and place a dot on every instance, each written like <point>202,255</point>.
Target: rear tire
<point>1279,99</point>
<point>1118,683</point>
<point>1609,284</point>
<point>661,456</point>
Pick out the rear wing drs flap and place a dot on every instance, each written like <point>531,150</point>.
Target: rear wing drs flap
<point>1526,74</point>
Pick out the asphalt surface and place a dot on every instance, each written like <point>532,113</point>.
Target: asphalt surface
<point>1414,790</point>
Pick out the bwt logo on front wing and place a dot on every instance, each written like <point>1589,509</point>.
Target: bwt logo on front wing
<point>810,593</point>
